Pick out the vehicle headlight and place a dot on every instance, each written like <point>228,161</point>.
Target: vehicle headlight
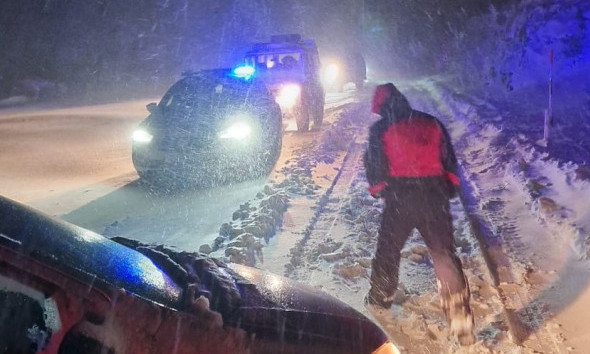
<point>387,348</point>
<point>331,73</point>
<point>288,95</point>
<point>142,136</point>
<point>238,130</point>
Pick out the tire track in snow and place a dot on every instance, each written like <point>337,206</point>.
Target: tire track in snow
<point>338,187</point>
<point>321,161</point>
<point>320,229</point>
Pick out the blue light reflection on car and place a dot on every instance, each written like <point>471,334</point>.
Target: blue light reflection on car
<point>84,255</point>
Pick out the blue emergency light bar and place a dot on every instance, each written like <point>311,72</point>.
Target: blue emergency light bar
<point>243,71</point>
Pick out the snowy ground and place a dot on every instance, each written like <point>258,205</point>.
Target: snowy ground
<point>534,202</point>
<point>61,159</point>
<point>523,207</point>
<point>313,221</point>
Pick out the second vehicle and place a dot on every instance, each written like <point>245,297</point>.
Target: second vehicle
<point>211,127</point>
<point>290,67</point>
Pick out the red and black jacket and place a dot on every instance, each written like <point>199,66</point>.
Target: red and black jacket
<point>417,148</point>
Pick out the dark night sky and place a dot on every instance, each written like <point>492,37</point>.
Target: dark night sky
<point>87,44</point>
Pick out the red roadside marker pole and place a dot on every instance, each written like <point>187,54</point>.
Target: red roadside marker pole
<point>549,111</point>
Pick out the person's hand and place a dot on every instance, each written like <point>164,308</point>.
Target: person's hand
<point>453,184</point>
<point>376,195</point>
<point>377,189</point>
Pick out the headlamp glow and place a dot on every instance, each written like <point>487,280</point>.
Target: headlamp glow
<point>142,136</point>
<point>237,130</point>
<point>288,95</point>
<point>331,73</point>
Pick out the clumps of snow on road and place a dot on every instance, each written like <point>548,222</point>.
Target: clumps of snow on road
<point>340,263</point>
<point>242,239</point>
<point>251,227</point>
<point>336,253</point>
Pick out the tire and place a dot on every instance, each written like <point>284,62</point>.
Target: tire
<point>276,147</point>
<point>270,151</point>
<point>275,152</point>
<point>145,176</point>
<point>318,116</point>
<point>303,117</point>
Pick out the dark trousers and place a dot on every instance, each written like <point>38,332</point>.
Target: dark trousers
<point>426,208</point>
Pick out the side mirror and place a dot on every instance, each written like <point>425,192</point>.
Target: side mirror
<point>152,107</point>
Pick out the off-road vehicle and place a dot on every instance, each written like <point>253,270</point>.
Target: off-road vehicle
<point>340,70</point>
<point>290,67</point>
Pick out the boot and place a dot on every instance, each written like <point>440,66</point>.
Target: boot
<point>458,314</point>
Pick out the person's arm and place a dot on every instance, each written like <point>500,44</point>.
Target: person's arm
<point>449,162</point>
<point>375,162</point>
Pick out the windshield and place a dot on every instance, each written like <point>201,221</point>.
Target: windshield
<point>311,176</point>
<point>197,96</point>
<point>288,61</point>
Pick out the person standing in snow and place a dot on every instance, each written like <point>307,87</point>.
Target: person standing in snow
<point>411,164</point>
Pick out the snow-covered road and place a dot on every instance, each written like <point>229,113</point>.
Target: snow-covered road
<point>60,159</point>
<point>520,233</point>
<point>75,163</point>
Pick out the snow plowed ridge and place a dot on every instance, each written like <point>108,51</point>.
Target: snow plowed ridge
<point>325,240</point>
<point>346,167</point>
<point>265,229</point>
<point>528,202</point>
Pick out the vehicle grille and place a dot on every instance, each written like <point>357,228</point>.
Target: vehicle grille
<point>175,141</point>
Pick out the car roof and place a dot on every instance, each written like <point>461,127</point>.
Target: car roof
<point>226,77</point>
<point>83,255</point>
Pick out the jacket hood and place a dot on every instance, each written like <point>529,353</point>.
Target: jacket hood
<point>390,103</point>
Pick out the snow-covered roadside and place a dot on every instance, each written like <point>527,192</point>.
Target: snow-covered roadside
<point>326,232</point>
<point>335,255</point>
<point>326,227</point>
<point>58,159</point>
<point>537,206</point>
